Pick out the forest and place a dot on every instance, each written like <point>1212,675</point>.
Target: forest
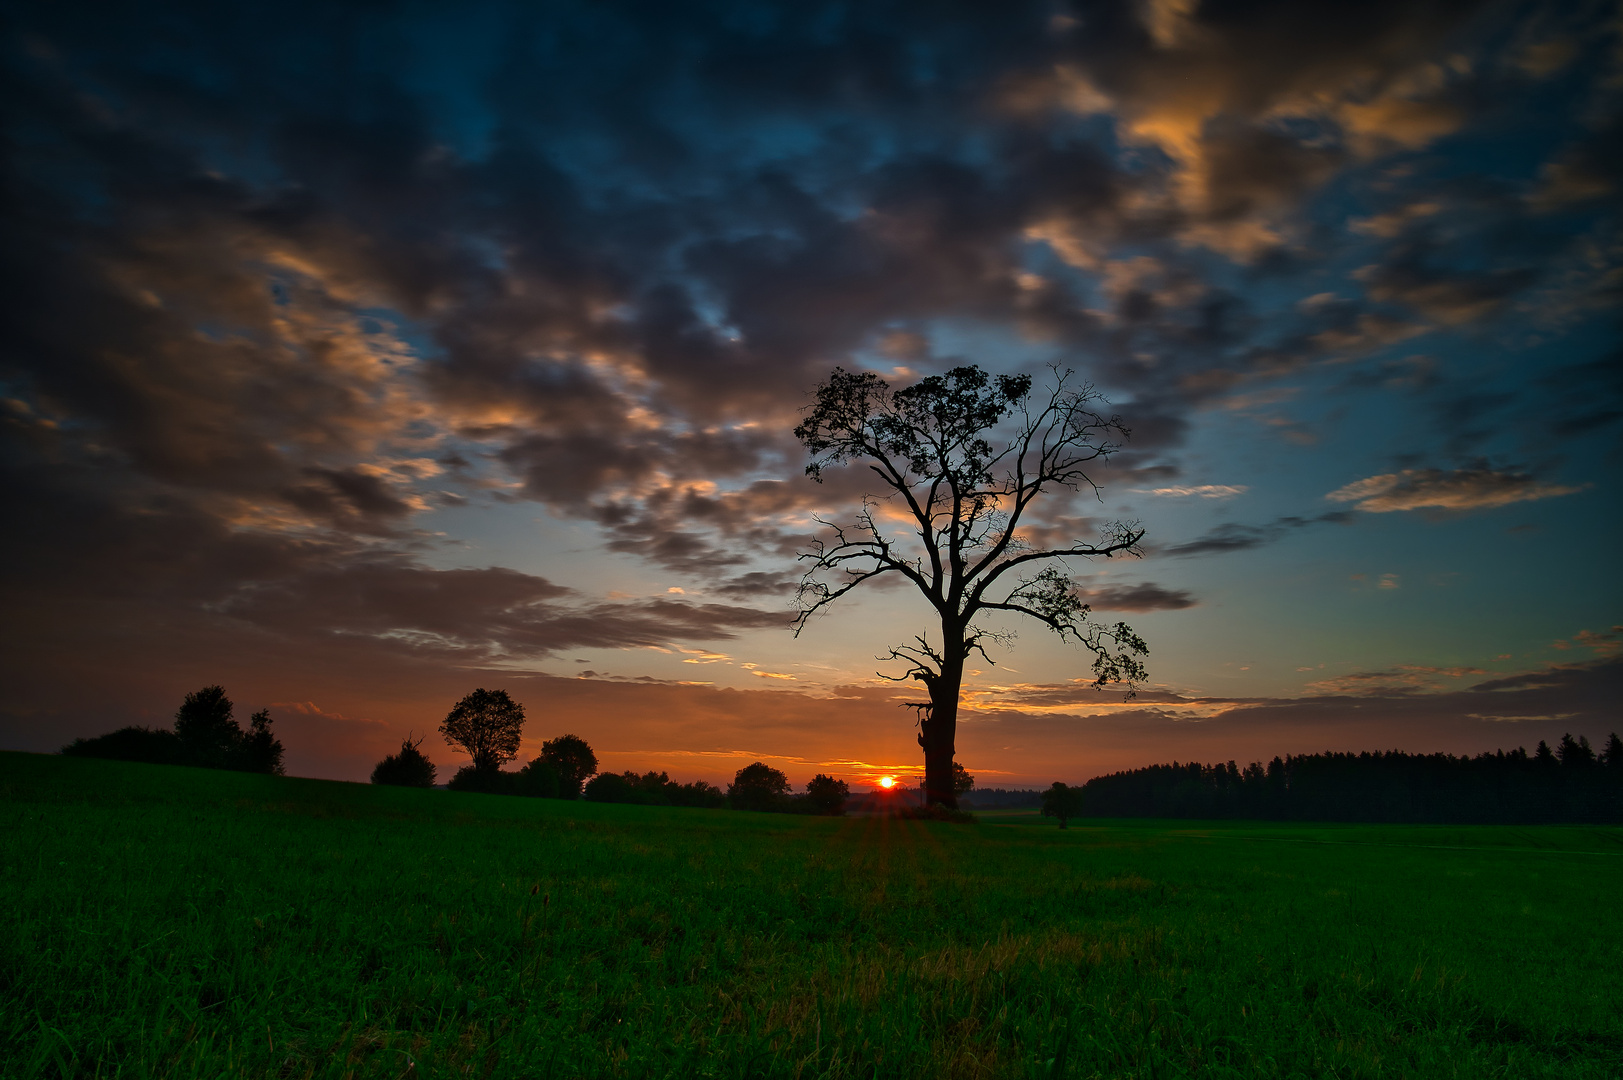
<point>1570,783</point>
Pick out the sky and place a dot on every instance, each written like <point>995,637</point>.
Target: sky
<point>355,356</point>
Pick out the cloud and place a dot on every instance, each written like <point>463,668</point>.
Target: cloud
<point>1204,491</point>
<point>1144,596</point>
<point>1457,489</point>
<point>1235,537</point>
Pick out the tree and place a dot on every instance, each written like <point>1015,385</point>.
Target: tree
<point>962,782</point>
<point>758,787</point>
<point>610,787</point>
<point>574,761</point>
<point>262,751</point>
<point>931,447</point>
<point>409,768</point>
<point>1062,802</point>
<point>208,734</point>
<point>827,794</point>
<point>486,725</point>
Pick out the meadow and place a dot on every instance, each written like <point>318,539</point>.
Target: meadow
<point>165,921</point>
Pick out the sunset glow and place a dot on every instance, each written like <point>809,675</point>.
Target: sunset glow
<point>428,352</point>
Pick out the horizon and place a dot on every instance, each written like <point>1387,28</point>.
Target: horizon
<point>357,361</point>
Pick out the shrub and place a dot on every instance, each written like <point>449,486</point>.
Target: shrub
<point>130,744</point>
<point>610,788</point>
<point>484,781</point>
<point>409,768</point>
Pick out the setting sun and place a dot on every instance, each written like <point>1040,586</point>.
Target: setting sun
<point>887,782</point>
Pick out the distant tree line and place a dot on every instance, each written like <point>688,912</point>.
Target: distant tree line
<point>1002,799</point>
<point>1570,783</point>
<point>488,725</point>
<point>205,734</point>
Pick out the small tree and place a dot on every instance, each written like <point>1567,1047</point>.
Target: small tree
<point>827,794</point>
<point>1062,802</point>
<point>409,768</point>
<point>962,782</point>
<point>758,787</point>
<point>262,751</point>
<point>574,761</point>
<point>931,446</point>
<point>487,725</point>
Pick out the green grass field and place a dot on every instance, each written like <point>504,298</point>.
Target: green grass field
<point>174,922</point>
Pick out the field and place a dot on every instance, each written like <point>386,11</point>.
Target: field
<point>161,921</point>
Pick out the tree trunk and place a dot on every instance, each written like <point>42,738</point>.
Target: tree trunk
<point>938,735</point>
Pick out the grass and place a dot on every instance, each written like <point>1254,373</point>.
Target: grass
<point>173,922</point>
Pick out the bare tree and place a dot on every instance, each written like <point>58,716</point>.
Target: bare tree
<point>931,445</point>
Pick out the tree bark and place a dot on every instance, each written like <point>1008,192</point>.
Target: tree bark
<point>938,734</point>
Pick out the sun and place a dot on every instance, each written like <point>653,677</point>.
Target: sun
<point>887,782</point>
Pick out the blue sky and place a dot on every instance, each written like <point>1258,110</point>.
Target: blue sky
<point>354,359</point>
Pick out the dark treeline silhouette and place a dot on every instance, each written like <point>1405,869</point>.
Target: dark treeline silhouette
<point>1568,784</point>
<point>756,786</point>
<point>205,734</point>
<point>1002,799</point>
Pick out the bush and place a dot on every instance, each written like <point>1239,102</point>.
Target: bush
<point>130,744</point>
<point>409,768</point>
<point>697,794</point>
<point>610,788</point>
<point>758,787</point>
<point>484,781</point>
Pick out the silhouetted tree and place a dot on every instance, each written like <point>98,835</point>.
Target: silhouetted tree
<point>1575,755</point>
<point>610,788</point>
<point>827,794</point>
<point>208,734</point>
<point>262,750</point>
<point>962,782</point>
<point>1613,754</point>
<point>758,787</point>
<point>574,761</point>
<point>540,779</point>
<point>487,725</point>
<point>409,768</point>
<point>931,448</point>
<point>1062,802</point>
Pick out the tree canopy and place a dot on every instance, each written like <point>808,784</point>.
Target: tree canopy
<point>574,761</point>
<point>965,457</point>
<point>487,725</point>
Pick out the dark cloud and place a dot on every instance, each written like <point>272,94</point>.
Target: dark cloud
<point>277,282</point>
<point>1144,596</point>
<point>1235,537</point>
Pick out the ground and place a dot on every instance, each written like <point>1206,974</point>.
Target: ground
<point>180,922</point>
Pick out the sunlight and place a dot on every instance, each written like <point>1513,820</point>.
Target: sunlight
<point>887,782</point>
